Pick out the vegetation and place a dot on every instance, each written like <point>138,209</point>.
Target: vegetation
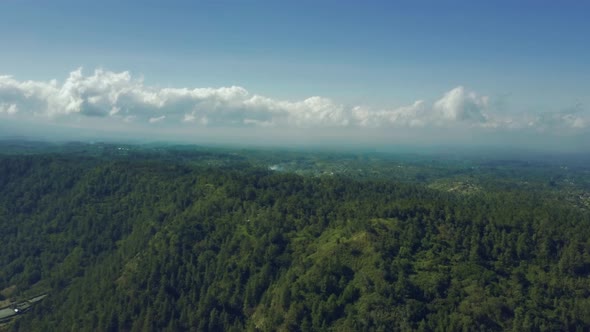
<point>202,239</point>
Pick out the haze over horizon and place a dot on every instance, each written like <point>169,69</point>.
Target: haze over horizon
<point>420,73</point>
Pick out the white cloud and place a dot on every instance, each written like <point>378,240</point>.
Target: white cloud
<point>461,105</point>
<point>157,119</point>
<point>8,108</point>
<point>121,98</point>
<point>189,118</point>
<point>572,119</point>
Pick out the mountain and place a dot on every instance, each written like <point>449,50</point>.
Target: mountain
<point>205,240</point>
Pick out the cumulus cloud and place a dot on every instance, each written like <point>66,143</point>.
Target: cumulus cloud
<point>459,104</point>
<point>8,108</point>
<point>573,119</point>
<point>157,119</point>
<point>121,98</point>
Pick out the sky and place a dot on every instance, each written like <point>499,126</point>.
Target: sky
<point>476,73</point>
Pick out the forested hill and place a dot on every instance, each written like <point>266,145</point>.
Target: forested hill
<point>151,244</point>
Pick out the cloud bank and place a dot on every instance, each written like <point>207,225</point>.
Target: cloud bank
<point>118,99</point>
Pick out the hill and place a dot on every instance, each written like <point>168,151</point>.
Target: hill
<point>213,241</point>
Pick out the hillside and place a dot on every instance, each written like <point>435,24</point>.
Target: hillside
<point>215,241</point>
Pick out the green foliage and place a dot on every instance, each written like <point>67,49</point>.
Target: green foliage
<point>149,244</point>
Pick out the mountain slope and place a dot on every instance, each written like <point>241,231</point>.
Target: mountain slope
<point>150,244</point>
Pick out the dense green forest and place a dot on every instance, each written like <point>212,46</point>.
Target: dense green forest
<point>138,239</point>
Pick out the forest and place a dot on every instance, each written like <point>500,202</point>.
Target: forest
<point>156,238</point>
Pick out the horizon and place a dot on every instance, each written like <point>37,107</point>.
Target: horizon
<point>259,73</point>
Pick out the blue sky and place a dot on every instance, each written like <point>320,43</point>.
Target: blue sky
<point>522,66</point>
